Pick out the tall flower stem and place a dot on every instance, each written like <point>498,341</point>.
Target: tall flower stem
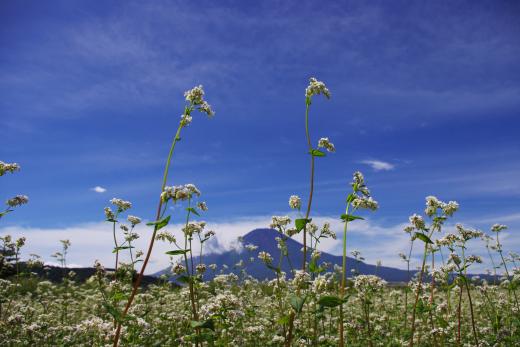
<point>307,213</point>
<point>419,289</point>
<point>152,239</point>
<point>406,288</point>
<point>311,191</point>
<point>343,279</point>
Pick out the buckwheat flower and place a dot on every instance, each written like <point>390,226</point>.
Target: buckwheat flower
<point>213,266</point>
<point>319,284</point>
<point>291,232</point>
<point>325,143</point>
<point>206,108</point>
<point>432,204</point>
<point>195,95</point>
<point>358,184</point>
<point>201,268</point>
<point>408,229</point>
<point>466,233</point>
<point>123,227</point>
<point>448,240</point>
<point>301,279</point>
<point>295,202</point>
<point>327,232</point>
<point>202,206</point>
<point>450,208</point>
<point>265,257</point>
<point>417,221</point>
<point>122,205</point>
<point>131,237</point>
<point>17,201</point>
<point>454,258</point>
<point>165,236</point>
<point>208,234</point>
<point>279,221</point>
<point>316,88</point>
<point>193,227</point>
<point>498,227</point>
<point>311,228</point>
<point>192,189</point>
<point>186,120</point>
<point>364,202</point>
<point>109,214</point>
<point>178,269</point>
<point>8,167</point>
<point>134,220</point>
<point>474,259</point>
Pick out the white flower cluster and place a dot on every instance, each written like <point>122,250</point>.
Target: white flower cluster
<point>417,222</point>
<point>17,200</point>
<point>468,234</point>
<point>182,192</point>
<point>366,284</point>
<point>134,220</point>
<point>265,257</point>
<point>433,205</point>
<point>195,96</point>
<point>295,202</point>
<point>8,167</point>
<point>194,227</point>
<point>365,200</point>
<point>325,143</point>
<point>178,269</point>
<point>366,203</point>
<point>202,206</point>
<point>498,227</point>
<point>122,205</point>
<point>327,232</point>
<point>278,222</point>
<point>301,279</point>
<point>316,88</point>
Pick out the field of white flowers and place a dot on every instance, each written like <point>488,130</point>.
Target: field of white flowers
<point>314,305</point>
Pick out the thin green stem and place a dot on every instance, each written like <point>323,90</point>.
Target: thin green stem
<point>152,239</point>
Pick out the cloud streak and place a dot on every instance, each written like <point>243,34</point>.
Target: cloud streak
<point>378,165</point>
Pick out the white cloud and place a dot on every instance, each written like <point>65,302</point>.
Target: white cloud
<point>98,189</point>
<point>93,241</point>
<point>379,165</point>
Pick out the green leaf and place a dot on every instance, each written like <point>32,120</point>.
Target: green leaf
<point>423,238</point>
<point>314,268</point>
<point>301,223</point>
<point>297,302</point>
<point>208,324</point>
<point>317,153</point>
<point>178,251</point>
<point>350,218</point>
<point>192,210</point>
<point>159,224</point>
<point>330,301</point>
<point>351,198</point>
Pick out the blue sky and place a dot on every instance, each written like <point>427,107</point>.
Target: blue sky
<point>91,94</point>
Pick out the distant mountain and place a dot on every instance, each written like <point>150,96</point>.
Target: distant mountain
<point>264,239</point>
<point>56,273</point>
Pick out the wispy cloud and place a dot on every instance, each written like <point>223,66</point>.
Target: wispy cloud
<point>98,189</point>
<point>379,165</point>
